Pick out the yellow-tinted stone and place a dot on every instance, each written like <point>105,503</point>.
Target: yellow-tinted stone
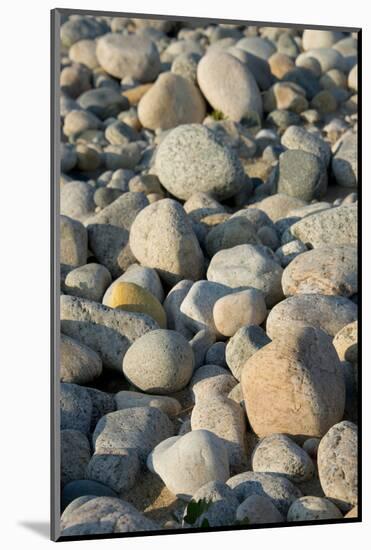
<point>134,95</point>
<point>132,297</point>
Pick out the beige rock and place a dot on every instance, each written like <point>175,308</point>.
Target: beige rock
<point>134,95</point>
<point>280,64</point>
<point>285,95</point>
<point>294,385</point>
<point>83,52</point>
<point>325,270</point>
<point>233,311</point>
<point>346,343</point>
<point>278,206</point>
<point>310,508</point>
<point>172,100</point>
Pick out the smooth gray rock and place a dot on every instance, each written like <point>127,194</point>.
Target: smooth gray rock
<point>108,232</point>
<point>275,487</point>
<point>256,45</point>
<point>301,175</point>
<point>345,161</point>
<point>82,487</point>
<point>124,156</point>
<point>297,137</point>
<point>211,380</point>
<point>75,408</point>
<point>175,318</point>
<point>326,270</point>
<point>233,232</point>
<point>162,237</point>
<point>248,265</point>
<point>329,313</point>
<point>103,403</point>
<point>75,455</point>
<point>84,517</point>
<point>337,465</point>
<point>89,281</point>
<point>215,355</point>
<point>190,159</point>
<point>77,200</point>
<point>117,471</point>
<point>161,361</point>
<point>128,56</point>
<point>200,343</point>
<point>130,399</point>
<point>73,242</point>
<point>103,102</point>
<point>247,341</point>
<point>104,196</point>
<point>289,251</point>
<point>78,363</point>
<point>258,509</point>
<point>68,157</point>
<point>81,27</point>
<point>278,454</point>
<point>186,463</point>
<point>137,428</point>
<point>109,332</point>
<point>77,121</point>
<point>119,133</point>
<point>311,508</point>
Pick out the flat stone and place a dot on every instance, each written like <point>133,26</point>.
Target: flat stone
<point>186,463</point>
<point>107,331</point>
<point>191,159</point>
<point>337,465</point>
<point>291,391</point>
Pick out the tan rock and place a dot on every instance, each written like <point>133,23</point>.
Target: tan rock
<point>294,385</point>
<point>280,64</point>
<point>236,310</point>
<point>134,95</point>
<point>279,205</point>
<point>346,342</point>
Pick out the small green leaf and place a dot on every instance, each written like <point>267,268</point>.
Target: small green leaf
<point>205,523</point>
<point>195,510</point>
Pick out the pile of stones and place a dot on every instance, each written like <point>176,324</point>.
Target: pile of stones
<point>208,250</point>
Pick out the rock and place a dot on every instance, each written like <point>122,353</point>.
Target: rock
<point>337,465</point>
<point>125,156</point>
<point>248,265</point>
<point>145,184</point>
<point>68,157</point>
<point>137,429</point>
<point>310,446</point>
<point>279,454</point>
<point>103,403</point>
<point>84,517</point>
<point>306,403</point>
<point>190,159</point>
<point>108,232</point>
<point>83,52</point>
<point>353,513</point>
<point>245,342</point>
<point>257,66</point>
<point>73,242</point>
<point>88,281</point>
<point>313,508</point>
<point>232,232</point>
<point>225,418</point>
<point>80,28</point>
<point>329,313</point>
<point>78,363</point>
<point>353,78</point>
<point>289,251</point>
<point>215,355</point>
<point>119,133</point>
<point>233,311</point>
<point>346,342</point>
<point>77,200</point>
<point>328,58</point>
<point>222,505</point>
<point>145,277</point>
<point>128,56</point>
<point>326,270</point>
<point>186,463</point>
<point>200,343</point>
<point>280,64</point>
<point>130,399</point>
<point>261,47</point>
<point>333,226</point>
<point>88,159</point>
<point>285,95</point>
<point>161,237</point>
<point>185,65</point>
<point>172,100</point>
<point>278,206</point>
<point>313,38</point>
<point>160,362</point>
<point>211,380</point>
<point>75,455</point>
<point>132,297</point>
<point>103,102</point>
<point>297,137</point>
<point>108,332</point>
<point>75,408</point>
<point>105,196</point>
<point>324,102</point>
<point>197,306</point>
<point>78,121</point>
<point>175,318</point>
<point>116,471</point>
<point>345,162</point>
<point>279,490</point>
<point>236,98</point>
<point>82,487</point>
<point>258,509</point>
<point>301,175</point>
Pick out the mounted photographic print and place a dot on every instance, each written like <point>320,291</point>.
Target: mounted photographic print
<point>204,284</point>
